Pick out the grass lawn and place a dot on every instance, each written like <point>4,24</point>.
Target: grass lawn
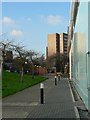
<point>11,82</point>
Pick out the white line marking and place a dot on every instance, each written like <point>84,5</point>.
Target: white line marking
<point>76,113</point>
<point>26,114</point>
<point>21,104</point>
<point>71,92</point>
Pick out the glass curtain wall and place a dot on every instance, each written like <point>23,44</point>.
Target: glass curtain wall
<point>80,49</point>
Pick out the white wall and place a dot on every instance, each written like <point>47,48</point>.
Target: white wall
<point>81,63</point>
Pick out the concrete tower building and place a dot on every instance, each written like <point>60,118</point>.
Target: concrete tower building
<point>54,49</point>
<point>63,43</point>
<point>57,45</point>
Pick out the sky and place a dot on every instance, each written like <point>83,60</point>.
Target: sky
<point>29,23</point>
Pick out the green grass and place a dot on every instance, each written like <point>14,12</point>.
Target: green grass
<point>11,82</point>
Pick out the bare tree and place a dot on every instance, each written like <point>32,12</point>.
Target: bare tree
<point>42,61</point>
<point>21,56</point>
<point>4,46</point>
<point>30,54</point>
<point>24,57</point>
<point>51,62</point>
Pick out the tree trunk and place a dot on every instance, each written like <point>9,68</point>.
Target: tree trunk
<point>22,75</point>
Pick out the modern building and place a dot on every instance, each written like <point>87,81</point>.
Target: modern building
<point>57,45</point>
<point>63,50</point>
<point>52,39</point>
<point>63,43</point>
<point>54,49</point>
<point>79,49</point>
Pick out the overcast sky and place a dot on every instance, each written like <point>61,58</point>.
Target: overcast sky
<point>30,23</point>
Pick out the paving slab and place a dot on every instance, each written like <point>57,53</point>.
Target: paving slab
<point>58,102</point>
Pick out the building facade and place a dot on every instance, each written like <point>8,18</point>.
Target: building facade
<point>51,44</point>
<point>63,43</point>
<point>79,49</point>
<point>57,42</point>
<point>54,50</point>
<point>57,48</point>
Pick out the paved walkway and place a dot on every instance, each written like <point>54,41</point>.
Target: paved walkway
<point>26,104</point>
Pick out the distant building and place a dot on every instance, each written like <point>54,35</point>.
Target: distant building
<point>63,43</point>
<point>54,49</point>
<point>63,50</point>
<point>51,44</point>
<point>57,44</point>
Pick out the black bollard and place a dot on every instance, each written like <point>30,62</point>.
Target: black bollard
<point>59,77</point>
<point>42,93</point>
<point>55,80</point>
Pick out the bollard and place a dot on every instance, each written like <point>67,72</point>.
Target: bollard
<point>42,93</point>
<point>59,77</point>
<point>55,80</point>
